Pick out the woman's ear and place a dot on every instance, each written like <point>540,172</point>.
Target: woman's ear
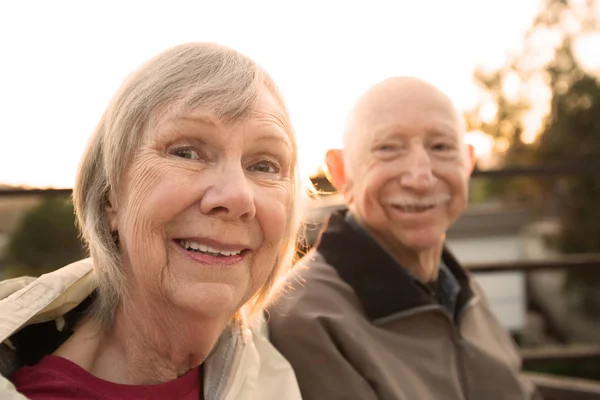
<point>335,168</point>
<point>111,212</point>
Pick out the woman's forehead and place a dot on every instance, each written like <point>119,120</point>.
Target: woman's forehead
<point>265,104</point>
<point>269,107</point>
<point>264,120</point>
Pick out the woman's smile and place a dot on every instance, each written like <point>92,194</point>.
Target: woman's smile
<point>212,252</point>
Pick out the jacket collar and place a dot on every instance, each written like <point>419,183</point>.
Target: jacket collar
<point>25,301</point>
<point>380,283</point>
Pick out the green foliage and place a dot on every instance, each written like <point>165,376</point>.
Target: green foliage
<point>46,238</point>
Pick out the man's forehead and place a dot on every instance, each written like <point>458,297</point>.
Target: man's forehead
<point>406,103</point>
<point>403,93</point>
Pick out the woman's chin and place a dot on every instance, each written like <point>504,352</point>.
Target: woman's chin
<point>208,300</point>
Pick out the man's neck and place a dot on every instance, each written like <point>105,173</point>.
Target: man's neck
<point>144,345</point>
<point>422,263</point>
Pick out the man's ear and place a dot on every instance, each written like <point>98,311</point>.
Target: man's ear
<point>471,159</point>
<point>111,212</point>
<point>335,168</point>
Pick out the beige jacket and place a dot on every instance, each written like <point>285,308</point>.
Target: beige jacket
<point>354,326</point>
<point>243,365</point>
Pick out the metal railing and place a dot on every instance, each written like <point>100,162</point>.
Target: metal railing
<point>568,353</point>
<point>554,387</point>
<point>569,261</point>
<point>573,168</point>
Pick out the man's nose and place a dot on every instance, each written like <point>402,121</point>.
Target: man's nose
<point>230,195</point>
<point>417,173</point>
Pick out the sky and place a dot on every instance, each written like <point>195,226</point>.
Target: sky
<point>61,61</point>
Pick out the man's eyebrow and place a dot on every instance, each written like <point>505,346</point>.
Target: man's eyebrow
<point>441,127</point>
<point>390,128</point>
<point>444,131</point>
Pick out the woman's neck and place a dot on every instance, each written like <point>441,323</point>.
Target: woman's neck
<point>143,345</point>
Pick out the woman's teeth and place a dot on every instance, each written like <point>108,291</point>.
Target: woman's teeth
<point>202,248</point>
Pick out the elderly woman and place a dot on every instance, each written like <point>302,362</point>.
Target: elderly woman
<point>186,198</point>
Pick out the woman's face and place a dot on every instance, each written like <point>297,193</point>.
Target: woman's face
<point>203,208</point>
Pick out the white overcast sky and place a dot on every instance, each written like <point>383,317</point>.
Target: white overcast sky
<point>61,61</point>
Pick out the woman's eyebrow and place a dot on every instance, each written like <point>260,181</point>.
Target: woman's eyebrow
<point>204,120</point>
<point>274,138</point>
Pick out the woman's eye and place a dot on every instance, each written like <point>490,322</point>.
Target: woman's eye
<point>187,153</point>
<point>265,167</point>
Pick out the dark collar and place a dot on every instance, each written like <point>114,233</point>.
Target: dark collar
<point>380,283</point>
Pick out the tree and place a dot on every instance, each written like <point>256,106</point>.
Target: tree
<point>572,135</point>
<point>570,132</point>
<point>46,238</point>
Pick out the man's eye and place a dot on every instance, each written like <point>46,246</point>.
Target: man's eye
<point>187,153</point>
<point>265,167</point>
<point>441,147</point>
<point>386,147</point>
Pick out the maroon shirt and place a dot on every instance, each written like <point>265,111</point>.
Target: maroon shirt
<point>56,378</point>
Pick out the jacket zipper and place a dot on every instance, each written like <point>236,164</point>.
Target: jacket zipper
<point>462,345</point>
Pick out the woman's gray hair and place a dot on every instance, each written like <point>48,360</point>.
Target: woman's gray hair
<point>182,78</point>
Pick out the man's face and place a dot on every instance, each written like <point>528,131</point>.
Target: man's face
<point>408,168</point>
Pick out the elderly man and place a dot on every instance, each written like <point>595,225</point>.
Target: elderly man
<point>381,309</point>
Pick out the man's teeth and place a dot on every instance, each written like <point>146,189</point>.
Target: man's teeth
<point>413,208</point>
<point>199,247</point>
